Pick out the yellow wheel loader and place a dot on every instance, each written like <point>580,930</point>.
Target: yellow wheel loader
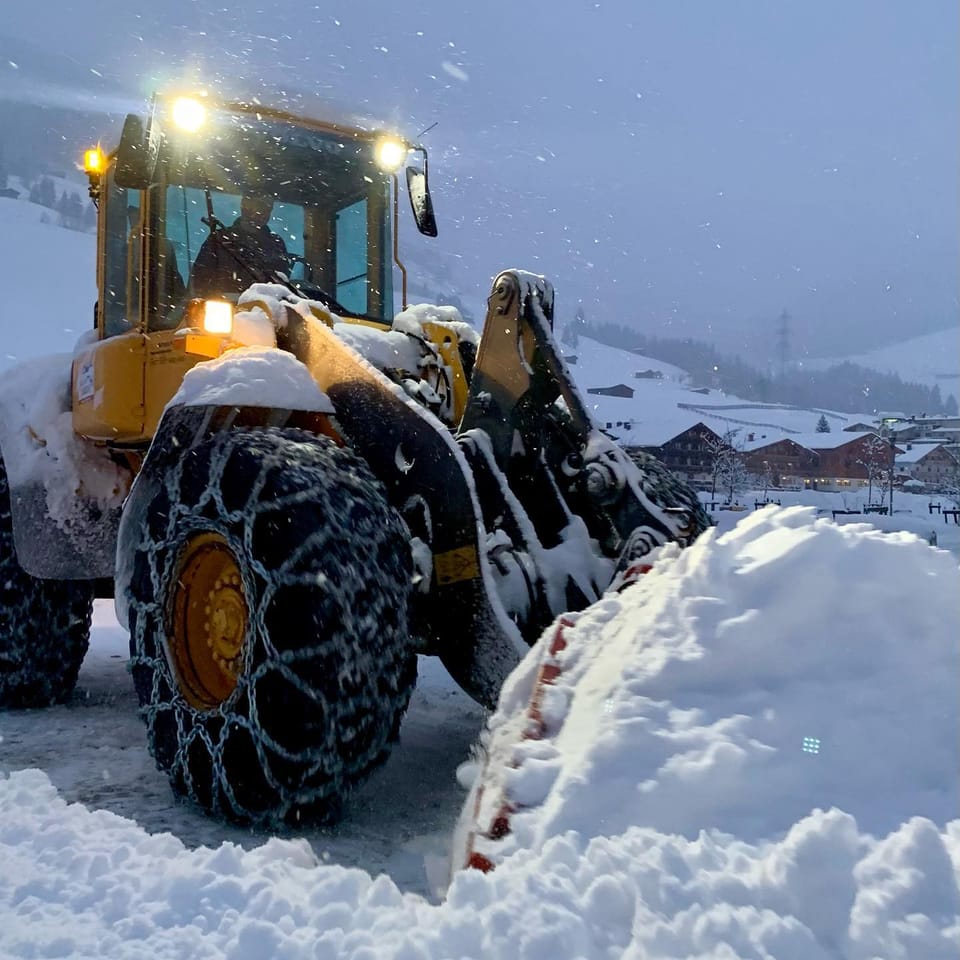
<point>290,492</point>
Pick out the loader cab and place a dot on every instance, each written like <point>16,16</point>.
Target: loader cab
<point>330,204</point>
<point>177,185</point>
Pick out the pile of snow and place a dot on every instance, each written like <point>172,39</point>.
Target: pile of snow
<point>40,447</point>
<point>786,665</point>
<point>254,377</point>
<point>92,884</point>
<point>670,812</point>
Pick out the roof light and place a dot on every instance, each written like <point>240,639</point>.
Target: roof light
<point>93,160</point>
<point>390,152</point>
<point>188,114</point>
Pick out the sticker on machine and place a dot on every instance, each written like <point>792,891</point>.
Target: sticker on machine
<point>85,381</point>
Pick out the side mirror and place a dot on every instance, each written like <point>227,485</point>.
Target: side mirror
<point>136,155</point>
<point>420,201</point>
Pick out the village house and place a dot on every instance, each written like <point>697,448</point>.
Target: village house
<point>818,461</point>
<point>617,390</point>
<point>905,429</point>
<point>930,464</point>
<point>847,459</point>
<point>690,453</point>
<point>788,463</point>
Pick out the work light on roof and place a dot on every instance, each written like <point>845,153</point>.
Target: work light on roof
<point>188,114</point>
<point>93,160</point>
<point>390,152</point>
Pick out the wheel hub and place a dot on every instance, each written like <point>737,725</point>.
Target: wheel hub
<point>209,621</point>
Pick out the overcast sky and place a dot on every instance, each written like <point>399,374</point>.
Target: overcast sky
<point>683,167</point>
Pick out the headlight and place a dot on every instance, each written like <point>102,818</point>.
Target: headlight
<point>188,114</point>
<point>390,153</point>
<point>217,316</point>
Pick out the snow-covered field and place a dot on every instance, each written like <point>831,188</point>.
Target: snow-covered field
<point>51,303</point>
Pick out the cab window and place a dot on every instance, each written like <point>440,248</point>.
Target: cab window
<point>119,298</point>
<point>328,224</point>
<point>351,249</point>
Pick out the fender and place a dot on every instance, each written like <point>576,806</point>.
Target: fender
<point>182,427</point>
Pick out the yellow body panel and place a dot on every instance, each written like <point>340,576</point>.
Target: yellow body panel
<point>448,346</point>
<point>122,384</point>
<point>166,366</point>
<point>108,379</point>
<point>204,346</point>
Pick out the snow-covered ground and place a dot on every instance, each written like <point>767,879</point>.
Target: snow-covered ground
<point>93,749</point>
<point>749,753</point>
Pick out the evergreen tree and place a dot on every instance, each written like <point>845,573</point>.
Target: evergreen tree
<point>70,208</point>
<point>572,331</point>
<point>44,192</point>
<point>822,425</point>
<point>89,222</point>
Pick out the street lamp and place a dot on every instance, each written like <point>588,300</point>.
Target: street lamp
<point>893,469</point>
<point>887,427</point>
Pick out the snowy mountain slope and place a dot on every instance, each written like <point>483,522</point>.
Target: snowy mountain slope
<point>49,285</point>
<point>932,359</point>
<point>661,408</point>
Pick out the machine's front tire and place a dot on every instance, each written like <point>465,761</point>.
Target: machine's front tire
<point>44,626</point>
<point>268,625</point>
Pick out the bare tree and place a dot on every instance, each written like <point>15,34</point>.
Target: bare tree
<point>733,478</point>
<point>949,486</point>
<point>764,479</point>
<point>875,461</point>
<point>719,451</point>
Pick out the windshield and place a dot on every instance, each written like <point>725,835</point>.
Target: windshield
<point>261,200</point>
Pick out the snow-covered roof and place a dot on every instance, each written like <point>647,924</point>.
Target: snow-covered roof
<point>917,452</point>
<point>816,441</point>
<point>760,441</point>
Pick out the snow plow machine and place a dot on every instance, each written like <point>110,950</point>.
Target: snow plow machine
<point>290,492</point>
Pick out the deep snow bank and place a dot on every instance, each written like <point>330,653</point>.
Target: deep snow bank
<point>681,708</point>
<point>76,883</point>
<point>787,665</point>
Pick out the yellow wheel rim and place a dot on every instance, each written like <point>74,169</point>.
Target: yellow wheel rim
<point>209,619</point>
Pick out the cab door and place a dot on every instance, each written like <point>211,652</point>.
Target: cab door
<point>175,234</point>
<point>108,372</point>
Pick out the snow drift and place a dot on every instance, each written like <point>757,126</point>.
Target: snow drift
<point>787,665</point>
<point>670,810</point>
